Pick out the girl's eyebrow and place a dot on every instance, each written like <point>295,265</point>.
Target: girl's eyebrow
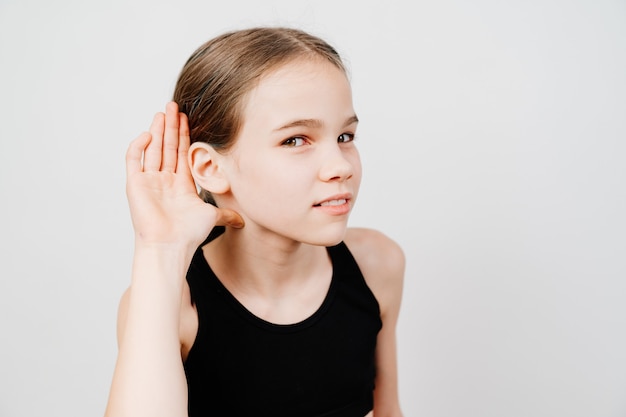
<point>314,123</point>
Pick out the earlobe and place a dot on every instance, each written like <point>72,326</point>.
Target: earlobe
<point>204,163</point>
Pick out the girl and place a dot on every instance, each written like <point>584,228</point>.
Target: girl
<point>282,310</point>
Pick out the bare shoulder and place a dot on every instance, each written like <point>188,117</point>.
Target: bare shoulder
<point>122,312</point>
<point>382,263</point>
<point>375,252</point>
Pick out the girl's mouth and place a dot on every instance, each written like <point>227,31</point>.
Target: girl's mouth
<point>338,202</point>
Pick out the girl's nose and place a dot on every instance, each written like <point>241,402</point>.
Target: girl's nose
<point>336,166</point>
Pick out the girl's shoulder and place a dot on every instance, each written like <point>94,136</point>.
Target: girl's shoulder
<point>381,261</point>
<point>374,251</point>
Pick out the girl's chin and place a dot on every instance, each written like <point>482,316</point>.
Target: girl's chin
<point>328,237</point>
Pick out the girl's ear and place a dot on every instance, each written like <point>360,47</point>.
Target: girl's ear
<point>204,163</point>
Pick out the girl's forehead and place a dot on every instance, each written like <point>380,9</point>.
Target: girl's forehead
<point>300,78</point>
<point>300,90</point>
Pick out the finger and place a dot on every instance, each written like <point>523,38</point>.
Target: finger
<point>182,166</point>
<point>153,153</point>
<point>170,138</point>
<point>134,154</point>
<point>227,217</point>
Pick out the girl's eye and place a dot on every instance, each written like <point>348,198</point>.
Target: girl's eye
<point>345,137</point>
<point>294,142</point>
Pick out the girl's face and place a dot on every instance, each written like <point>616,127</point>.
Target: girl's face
<point>294,169</point>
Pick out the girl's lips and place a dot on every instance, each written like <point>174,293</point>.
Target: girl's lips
<point>337,202</point>
<point>334,206</point>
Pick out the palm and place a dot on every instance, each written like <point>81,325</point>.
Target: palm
<point>164,204</point>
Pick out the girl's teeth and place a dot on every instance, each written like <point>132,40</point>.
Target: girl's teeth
<point>334,202</point>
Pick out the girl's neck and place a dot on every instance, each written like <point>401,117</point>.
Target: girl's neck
<point>266,264</point>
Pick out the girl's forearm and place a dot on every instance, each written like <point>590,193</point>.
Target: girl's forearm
<point>149,379</point>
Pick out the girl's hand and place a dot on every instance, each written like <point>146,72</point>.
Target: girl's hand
<point>164,203</point>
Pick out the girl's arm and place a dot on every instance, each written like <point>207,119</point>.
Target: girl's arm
<point>170,221</point>
<point>382,263</point>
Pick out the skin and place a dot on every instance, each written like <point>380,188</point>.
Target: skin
<point>294,151</point>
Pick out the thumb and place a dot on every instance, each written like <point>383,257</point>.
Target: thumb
<point>228,217</point>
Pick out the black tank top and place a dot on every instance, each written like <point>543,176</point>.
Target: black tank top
<point>243,366</point>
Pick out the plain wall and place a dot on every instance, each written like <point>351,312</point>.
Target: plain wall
<point>493,140</point>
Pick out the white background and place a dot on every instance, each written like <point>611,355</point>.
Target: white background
<point>493,141</point>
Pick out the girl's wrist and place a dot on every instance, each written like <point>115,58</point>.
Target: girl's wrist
<point>156,262</point>
<point>174,247</point>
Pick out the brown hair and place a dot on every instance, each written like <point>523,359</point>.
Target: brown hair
<point>219,74</point>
